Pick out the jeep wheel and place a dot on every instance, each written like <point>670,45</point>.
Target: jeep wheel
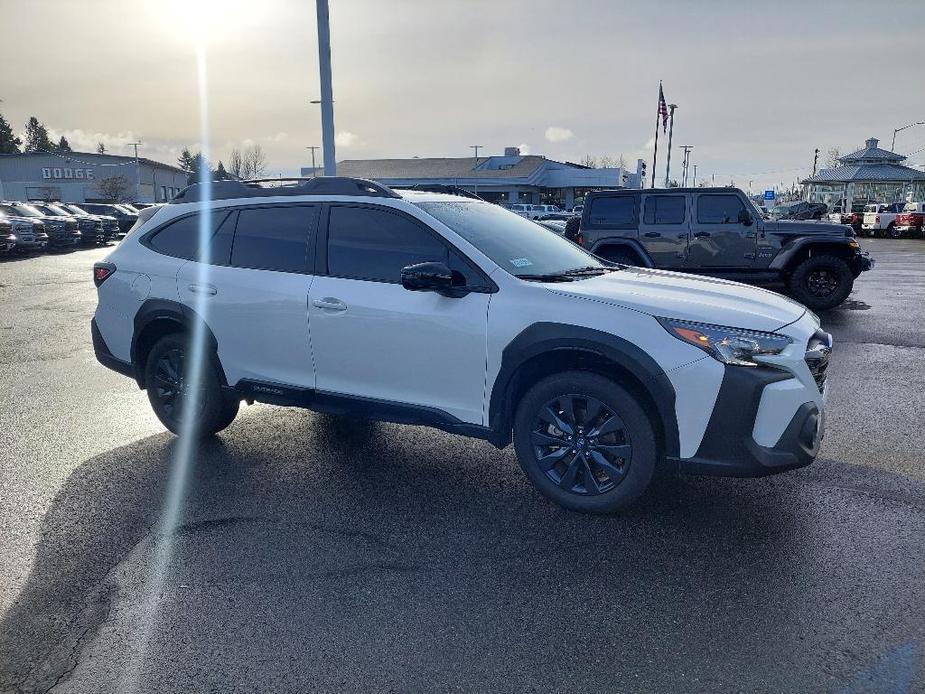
<point>620,257</point>
<point>585,442</point>
<point>821,282</point>
<point>168,383</point>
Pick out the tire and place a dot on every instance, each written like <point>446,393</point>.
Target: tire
<point>579,481</point>
<point>620,257</point>
<point>164,372</point>
<point>821,282</point>
<point>893,232</point>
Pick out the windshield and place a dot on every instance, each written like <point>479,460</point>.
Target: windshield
<point>56,210</point>
<point>757,209</point>
<point>126,209</point>
<point>518,245</point>
<point>24,211</point>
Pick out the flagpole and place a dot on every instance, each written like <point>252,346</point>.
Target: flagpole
<point>655,153</point>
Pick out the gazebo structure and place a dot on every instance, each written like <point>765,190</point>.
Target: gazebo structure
<point>871,174</point>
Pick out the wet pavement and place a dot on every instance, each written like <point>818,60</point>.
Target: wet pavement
<point>311,555</point>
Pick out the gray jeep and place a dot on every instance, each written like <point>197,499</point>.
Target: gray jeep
<point>721,232</point>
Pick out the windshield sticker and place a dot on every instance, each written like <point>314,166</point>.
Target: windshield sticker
<point>520,262</point>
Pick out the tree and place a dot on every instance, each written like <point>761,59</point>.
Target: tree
<point>199,169</point>
<point>589,161</point>
<point>9,143</point>
<point>63,145</point>
<point>220,173</point>
<point>236,163</point>
<point>255,162</point>
<point>185,160</point>
<point>831,160</point>
<point>114,188</point>
<point>100,148</point>
<point>37,139</point>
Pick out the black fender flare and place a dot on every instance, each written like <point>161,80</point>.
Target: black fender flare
<point>541,338</point>
<point>629,244</point>
<point>793,248</point>
<point>159,309</point>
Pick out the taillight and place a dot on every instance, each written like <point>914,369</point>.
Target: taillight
<point>878,219</point>
<point>581,239</point>
<point>102,272</point>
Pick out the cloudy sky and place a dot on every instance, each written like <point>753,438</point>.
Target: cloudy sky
<point>759,85</point>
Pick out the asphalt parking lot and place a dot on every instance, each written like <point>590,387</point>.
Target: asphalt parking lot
<point>315,557</point>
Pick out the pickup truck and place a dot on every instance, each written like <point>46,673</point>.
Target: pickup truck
<point>911,221</point>
<point>880,219</point>
<point>720,232</point>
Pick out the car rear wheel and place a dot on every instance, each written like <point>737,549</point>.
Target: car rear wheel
<point>821,282</point>
<point>893,232</point>
<point>585,442</point>
<point>177,398</point>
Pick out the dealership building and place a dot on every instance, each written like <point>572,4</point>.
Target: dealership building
<point>871,174</point>
<point>86,177</point>
<point>511,177</point>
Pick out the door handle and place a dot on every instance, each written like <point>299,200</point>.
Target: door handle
<point>652,234</point>
<point>329,303</point>
<point>701,234</point>
<point>207,289</point>
<point>682,236</point>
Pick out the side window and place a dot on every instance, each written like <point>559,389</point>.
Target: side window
<point>273,238</point>
<point>614,211</point>
<point>371,244</point>
<point>665,209</point>
<point>719,209</point>
<point>180,239</point>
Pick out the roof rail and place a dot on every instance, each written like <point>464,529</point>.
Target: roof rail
<point>272,187</point>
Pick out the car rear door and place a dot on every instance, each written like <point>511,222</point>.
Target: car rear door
<point>664,228</point>
<point>375,340</point>
<point>720,236</point>
<point>253,293</point>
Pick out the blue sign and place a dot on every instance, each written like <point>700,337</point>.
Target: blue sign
<point>769,195</point>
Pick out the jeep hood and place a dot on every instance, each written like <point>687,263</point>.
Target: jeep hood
<point>786,227</point>
<point>687,297</point>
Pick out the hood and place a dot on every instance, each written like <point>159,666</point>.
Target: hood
<point>787,227</point>
<point>688,297</point>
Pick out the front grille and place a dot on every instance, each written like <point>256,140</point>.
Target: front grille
<point>818,352</point>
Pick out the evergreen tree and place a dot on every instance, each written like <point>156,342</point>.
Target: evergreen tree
<point>199,167</point>
<point>185,160</point>
<point>220,173</point>
<point>63,145</point>
<point>37,139</point>
<point>9,143</point>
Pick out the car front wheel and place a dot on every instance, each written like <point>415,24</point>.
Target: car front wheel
<point>585,442</point>
<point>821,282</point>
<point>183,403</point>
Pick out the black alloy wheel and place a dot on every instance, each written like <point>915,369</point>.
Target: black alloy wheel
<point>581,444</point>
<point>821,283</point>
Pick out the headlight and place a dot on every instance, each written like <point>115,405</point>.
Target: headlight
<point>728,345</point>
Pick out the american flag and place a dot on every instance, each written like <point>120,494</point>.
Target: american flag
<point>662,108</point>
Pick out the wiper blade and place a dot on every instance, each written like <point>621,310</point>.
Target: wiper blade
<point>589,270</point>
<point>549,277</point>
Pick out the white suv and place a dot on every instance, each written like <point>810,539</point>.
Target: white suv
<point>342,296</point>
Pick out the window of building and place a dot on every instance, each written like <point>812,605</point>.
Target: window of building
<point>665,209</point>
<point>370,244</point>
<point>614,211</point>
<point>272,238</point>
<point>719,209</point>
<point>180,239</point>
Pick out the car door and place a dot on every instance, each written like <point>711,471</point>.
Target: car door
<point>723,232</point>
<point>372,338</point>
<point>664,228</point>
<point>253,293</point>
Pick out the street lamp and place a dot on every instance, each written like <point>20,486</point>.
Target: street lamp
<point>898,130</point>
<point>327,94</point>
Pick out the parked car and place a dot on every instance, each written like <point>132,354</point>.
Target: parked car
<point>601,375</point>
<point>29,231</point>
<point>62,232</point>
<point>526,210</point>
<point>911,221</point>
<point>138,206</point>
<point>7,237</point>
<point>91,227</point>
<point>720,232</point>
<point>125,217</point>
<point>799,210</point>
<point>555,225</point>
<point>110,223</point>
<point>577,210</point>
<point>880,220</point>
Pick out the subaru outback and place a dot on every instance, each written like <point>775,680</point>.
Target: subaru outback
<point>342,296</point>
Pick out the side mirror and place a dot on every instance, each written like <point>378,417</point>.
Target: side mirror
<point>432,276</point>
<point>745,218</point>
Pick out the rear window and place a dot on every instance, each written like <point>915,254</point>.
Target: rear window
<point>180,239</point>
<point>613,211</point>
<point>665,209</point>
<point>273,238</point>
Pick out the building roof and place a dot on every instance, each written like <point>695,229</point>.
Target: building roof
<point>441,167</point>
<point>867,172</point>
<point>871,153</point>
<point>93,158</point>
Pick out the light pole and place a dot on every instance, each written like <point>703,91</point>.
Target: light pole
<point>313,148</point>
<point>327,91</point>
<point>671,108</point>
<point>685,165</point>
<point>899,130</point>
<point>476,148</point>
<point>138,171</point>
